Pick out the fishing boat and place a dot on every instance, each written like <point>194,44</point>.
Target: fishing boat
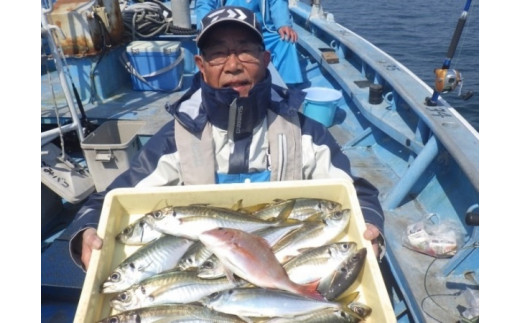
<point>397,130</point>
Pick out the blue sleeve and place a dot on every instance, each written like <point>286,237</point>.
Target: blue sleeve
<point>202,7</point>
<point>278,14</point>
<point>140,167</point>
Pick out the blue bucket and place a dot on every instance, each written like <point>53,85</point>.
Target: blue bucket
<point>321,104</point>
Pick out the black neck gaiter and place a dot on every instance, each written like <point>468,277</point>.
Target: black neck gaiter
<point>226,110</point>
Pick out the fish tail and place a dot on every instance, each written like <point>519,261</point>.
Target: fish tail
<point>310,290</point>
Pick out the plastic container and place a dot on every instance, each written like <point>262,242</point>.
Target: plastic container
<point>99,77</point>
<point>321,104</point>
<point>109,149</point>
<point>155,65</point>
<point>125,205</point>
<point>82,35</point>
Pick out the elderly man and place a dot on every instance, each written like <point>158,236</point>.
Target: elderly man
<point>279,38</point>
<point>233,125</point>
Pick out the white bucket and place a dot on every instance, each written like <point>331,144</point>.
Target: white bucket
<point>321,103</point>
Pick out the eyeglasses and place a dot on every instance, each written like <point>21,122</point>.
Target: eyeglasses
<point>218,55</point>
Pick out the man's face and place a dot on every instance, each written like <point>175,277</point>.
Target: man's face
<point>231,58</point>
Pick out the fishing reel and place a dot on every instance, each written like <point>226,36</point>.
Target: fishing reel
<point>447,80</point>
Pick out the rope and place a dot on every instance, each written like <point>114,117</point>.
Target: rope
<point>149,19</point>
<point>431,297</point>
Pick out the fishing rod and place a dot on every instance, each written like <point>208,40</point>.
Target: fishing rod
<point>447,79</point>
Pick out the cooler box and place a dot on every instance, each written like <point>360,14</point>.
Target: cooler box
<point>123,206</point>
<point>155,65</point>
<point>109,150</point>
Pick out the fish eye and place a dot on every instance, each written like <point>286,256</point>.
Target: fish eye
<point>142,223</point>
<point>123,296</point>
<point>132,265</point>
<point>213,295</point>
<point>114,319</point>
<point>356,309</point>
<point>115,276</point>
<point>208,264</point>
<point>127,230</point>
<point>157,214</point>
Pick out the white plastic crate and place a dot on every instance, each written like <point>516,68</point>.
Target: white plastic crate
<point>123,206</point>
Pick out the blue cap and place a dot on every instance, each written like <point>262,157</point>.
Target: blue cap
<point>229,14</point>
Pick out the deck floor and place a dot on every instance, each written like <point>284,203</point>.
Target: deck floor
<point>435,304</point>
<point>125,104</point>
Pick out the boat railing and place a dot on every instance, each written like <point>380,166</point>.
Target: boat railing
<point>50,31</point>
<point>442,121</point>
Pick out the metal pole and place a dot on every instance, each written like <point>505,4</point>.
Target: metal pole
<point>76,124</point>
<point>181,13</point>
<point>413,173</point>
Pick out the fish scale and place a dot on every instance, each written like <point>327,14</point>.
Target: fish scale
<point>213,267</point>
<point>167,288</point>
<point>250,257</point>
<point>327,315</point>
<point>319,262</point>
<point>299,208</point>
<point>192,226</point>
<point>138,233</point>
<point>262,302</point>
<point>195,256</point>
<point>153,258</point>
<point>344,276</point>
<point>312,234</point>
<point>171,313</point>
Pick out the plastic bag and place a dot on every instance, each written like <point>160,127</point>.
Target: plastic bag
<point>471,297</point>
<point>434,237</point>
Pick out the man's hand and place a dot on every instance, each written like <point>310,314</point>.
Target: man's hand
<point>90,241</point>
<point>288,34</point>
<point>371,233</point>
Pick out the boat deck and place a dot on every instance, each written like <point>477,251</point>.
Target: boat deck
<point>425,273</point>
<point>125,104</point>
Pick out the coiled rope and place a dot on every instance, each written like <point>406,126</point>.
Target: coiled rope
<point>149,19</point>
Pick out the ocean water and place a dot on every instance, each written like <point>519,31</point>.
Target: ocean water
<point>418,34</point>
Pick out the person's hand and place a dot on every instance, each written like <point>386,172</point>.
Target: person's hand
<point>371,234</point>
<point>90,242</point>
<point>288,34</point>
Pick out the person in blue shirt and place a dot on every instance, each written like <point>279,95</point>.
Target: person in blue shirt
<point>279,36</point>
